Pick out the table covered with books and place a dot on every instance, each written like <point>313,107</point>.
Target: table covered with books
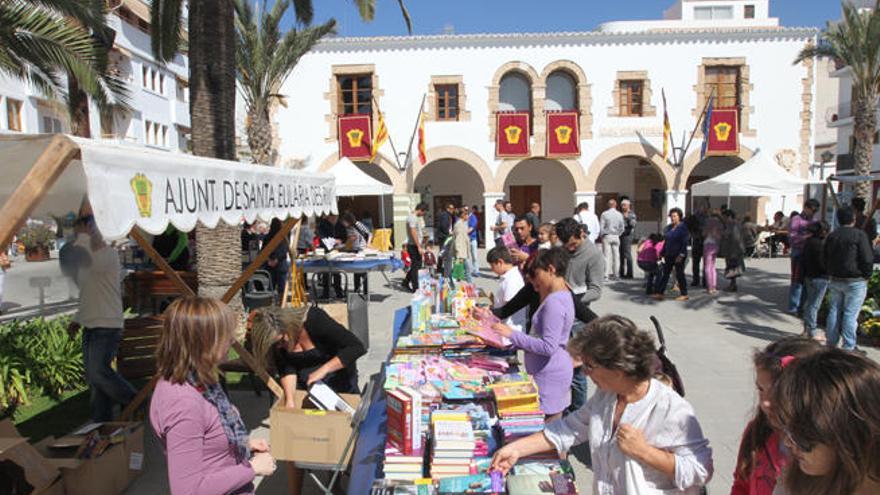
<point>350,262</point>
<point>447,403</point>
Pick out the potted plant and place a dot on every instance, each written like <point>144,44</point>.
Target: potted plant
<point>38,240</point>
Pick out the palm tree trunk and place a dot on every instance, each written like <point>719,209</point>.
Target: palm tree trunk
<point>259,133</point>
<point>78,107</point>
<point>864,127</point>
<point>212,113</point>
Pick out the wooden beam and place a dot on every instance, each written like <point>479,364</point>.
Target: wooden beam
<point>38,181</point>
<point>260,259</point>
<point>138,235</point>
<point>252,363</point>
<point>141,396</point>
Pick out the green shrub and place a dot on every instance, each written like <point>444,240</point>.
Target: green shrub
<point>37,357</point>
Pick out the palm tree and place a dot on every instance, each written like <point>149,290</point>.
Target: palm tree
<point>264,57</point>
<point>855,43</point>
<point>211,33</point>
<point>43,40</point>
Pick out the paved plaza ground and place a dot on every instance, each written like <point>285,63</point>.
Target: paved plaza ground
<point>709,338</point>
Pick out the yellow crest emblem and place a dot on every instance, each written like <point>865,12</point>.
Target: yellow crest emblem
<point>143,194</point>
<point>355,137</point>
<point>722,131</point>
<point>513,134</point>
<point>563,134</point>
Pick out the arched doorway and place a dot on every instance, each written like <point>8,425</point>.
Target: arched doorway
<point>446,181</point>
<point>714,166</point>
<point>640,181</point>
<point>547,182</point>
<point>379,208</point>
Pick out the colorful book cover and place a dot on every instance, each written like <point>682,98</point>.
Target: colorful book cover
<point>415,420</point>
<point>529,484</point>
<point>475,483</point>
<point>399,424</point>
<point>543,468</point>
<point>460,390</point>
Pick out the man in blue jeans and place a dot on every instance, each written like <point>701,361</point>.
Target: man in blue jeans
<point>849,260</point>
<point>100,318</point>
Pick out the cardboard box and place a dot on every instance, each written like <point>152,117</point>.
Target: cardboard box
<point>305,434</point>
<point>37,471</point>
<point>107,474</point>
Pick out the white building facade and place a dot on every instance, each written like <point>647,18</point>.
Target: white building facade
<point>158,95</point>
<point>612,77</point>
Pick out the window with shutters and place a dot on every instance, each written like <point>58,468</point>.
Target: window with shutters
<point>355,94</point>
<point>447,101</point>
<point>631,94</point>
<point>723,82</point>
<point>13,114</point>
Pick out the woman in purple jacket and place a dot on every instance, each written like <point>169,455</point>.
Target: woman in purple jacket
<point>204,438</point>
<point>546,358</point>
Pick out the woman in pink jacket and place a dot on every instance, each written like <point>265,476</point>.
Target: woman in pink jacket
<point>205,441</point>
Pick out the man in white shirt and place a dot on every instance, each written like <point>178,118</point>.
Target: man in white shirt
<point>100,318</point>
<point>510,282</point>
<point>586,217</point>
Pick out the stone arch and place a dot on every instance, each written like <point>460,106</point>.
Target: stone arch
<point>693,159</point>
<point>451,152</point>
<point>537,96</point>
<point>398,182</point>
<point>584,94</point>
<point>573,167</point>
<point>641,150</point>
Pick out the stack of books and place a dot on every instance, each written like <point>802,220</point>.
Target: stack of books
<point>520,424</point>
<point>403,449</point>
<point>453,444</point>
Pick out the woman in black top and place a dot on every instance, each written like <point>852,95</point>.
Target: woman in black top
<point>815,277</point>
<point>306,345</point>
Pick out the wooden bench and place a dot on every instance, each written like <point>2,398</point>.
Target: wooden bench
<point>136,357</point>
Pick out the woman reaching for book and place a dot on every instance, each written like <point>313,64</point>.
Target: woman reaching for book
<point>642,434</point>
<point>545,356</point>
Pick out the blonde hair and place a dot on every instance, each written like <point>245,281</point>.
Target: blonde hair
<point>195,332</point>
<point>272,322</point>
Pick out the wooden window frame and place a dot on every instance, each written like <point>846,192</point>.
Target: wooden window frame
<point>628,106</point>
<point>749,12</point>
<point>355,90</point>
<point>443,106</point>
<point>725,101</point>
<point>15,125</point>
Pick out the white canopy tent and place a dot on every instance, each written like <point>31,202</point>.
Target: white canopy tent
<point>352,181</point>
<point>130,186</point>
<point>133,189</point>
<point>759,176</point>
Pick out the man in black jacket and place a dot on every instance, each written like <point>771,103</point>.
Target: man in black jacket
<point>849,261</point>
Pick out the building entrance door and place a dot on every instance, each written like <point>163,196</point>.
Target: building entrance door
<point>522,197</point>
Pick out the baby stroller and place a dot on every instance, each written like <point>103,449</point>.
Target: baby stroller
<point>763,248</point>
<point>664,364</point>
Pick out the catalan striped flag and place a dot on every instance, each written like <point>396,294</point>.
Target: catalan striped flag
<point>423,158</point>
<point>381,137</point>
<point>667,130</point>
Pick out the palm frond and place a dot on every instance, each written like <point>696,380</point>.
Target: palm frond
<point>305,11</point>
<point>406,18</point>
<point>366,9</point>
<point>165,28</point>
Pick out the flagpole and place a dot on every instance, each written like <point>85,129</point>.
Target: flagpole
<point>697,126</point>
<point>390,141</point>
<point>415,130</point>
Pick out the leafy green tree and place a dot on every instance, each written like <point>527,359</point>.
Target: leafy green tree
<point>265,56</point>
<point>854,41</point>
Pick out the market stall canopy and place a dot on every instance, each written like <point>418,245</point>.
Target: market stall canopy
<point>131,185</point>
<point>352,181</point>
<point>759,176</point>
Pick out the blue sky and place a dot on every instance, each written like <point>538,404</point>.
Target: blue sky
<point>474,16</point>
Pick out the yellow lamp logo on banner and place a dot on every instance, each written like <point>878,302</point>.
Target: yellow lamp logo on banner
<point>722,131</point>
<point>355,136</point>
<point>513,134</point>
<point>563,134</point>
<point>143,194</point>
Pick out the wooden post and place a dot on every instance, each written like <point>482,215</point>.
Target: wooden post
<point>38,181</point>
<point>260,259</point>
<point>184,288</point>
<point>832,193</point>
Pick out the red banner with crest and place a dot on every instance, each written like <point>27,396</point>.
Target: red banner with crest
<point>563,136</point>
<point>512,134</point>
<point>723,132</point>
<point>355,136</point>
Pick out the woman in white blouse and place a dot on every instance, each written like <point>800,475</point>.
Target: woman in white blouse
<point>643,437</point>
